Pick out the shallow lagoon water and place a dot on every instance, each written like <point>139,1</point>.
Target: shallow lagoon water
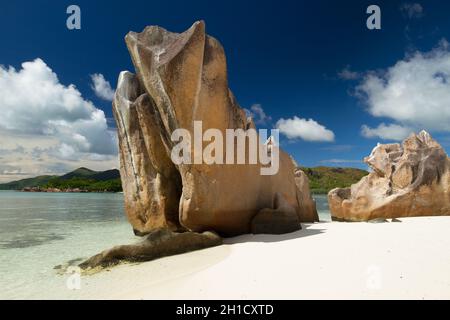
<point>39,231</point>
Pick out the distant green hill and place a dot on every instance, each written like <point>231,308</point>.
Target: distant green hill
<point>78,173</point>
<point>93,175</point>
<point>81,178</point>
<point>106,175</point>
<point>324,179</point>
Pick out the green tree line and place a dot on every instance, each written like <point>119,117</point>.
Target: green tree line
<point>90,185</point>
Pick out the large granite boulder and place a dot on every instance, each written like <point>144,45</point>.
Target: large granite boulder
<point>412,179</point>
<point>182,78</point>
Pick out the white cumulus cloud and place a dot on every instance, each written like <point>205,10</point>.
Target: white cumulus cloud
<point>415,93</point>
<point>102,87</point>
<point>308,130</point>
<point>35,102</point>
<point>386,132</point>
<point>37,111</point>
<point>348,74</point>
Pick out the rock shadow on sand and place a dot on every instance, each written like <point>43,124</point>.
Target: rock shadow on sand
<point>306,231</point>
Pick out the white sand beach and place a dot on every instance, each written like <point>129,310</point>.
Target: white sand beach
<point>407,260</point>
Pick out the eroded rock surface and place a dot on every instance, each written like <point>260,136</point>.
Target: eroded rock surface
<point>408,179</point>
<point>182,78</point>
<point>160,243</point>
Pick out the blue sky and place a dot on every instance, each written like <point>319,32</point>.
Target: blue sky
<point>305,59</point>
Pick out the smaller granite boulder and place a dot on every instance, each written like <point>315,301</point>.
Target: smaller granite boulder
<point>158,244</point>
<point>411,179</point>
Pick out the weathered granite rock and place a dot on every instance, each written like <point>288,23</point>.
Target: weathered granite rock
<point>412,179</point>
<point>160,243</point>
<point>182,78</point>
<point>307,205</point>
<point>151,183</point>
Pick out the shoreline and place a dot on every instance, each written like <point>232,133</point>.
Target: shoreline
<point>62,191</point>
<point>328,260</point>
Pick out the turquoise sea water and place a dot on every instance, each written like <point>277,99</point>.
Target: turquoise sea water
<point>322,207</point>
<point>39,231</point>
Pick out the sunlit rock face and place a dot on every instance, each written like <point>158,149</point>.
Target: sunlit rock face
<point>180,79</point>
<point>411,179</point>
